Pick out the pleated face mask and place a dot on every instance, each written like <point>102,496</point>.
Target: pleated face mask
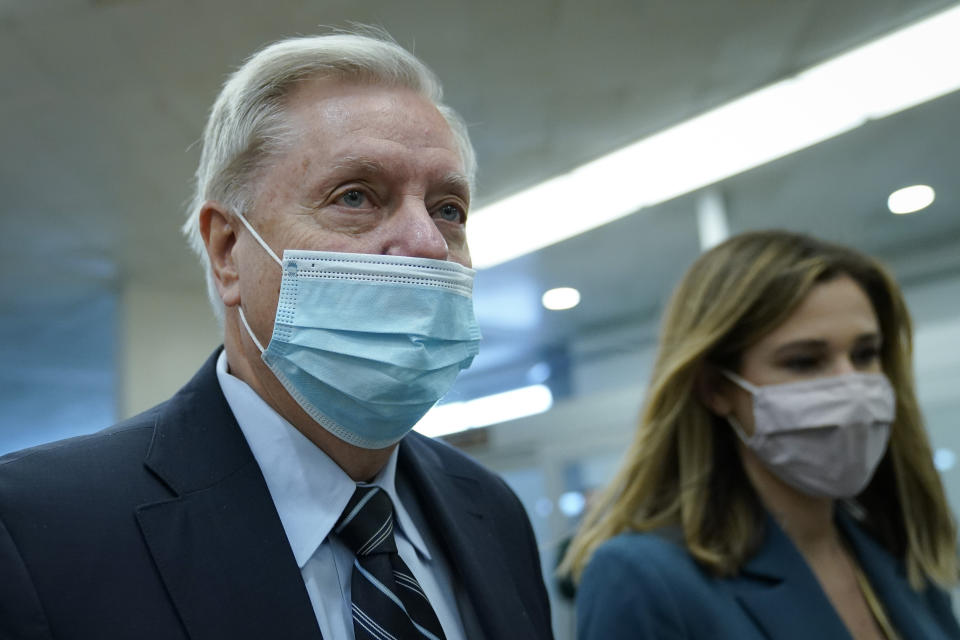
<point>824,436</point>
<point>367,344</point>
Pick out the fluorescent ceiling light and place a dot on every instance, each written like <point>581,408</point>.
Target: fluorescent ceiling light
<point>911,199</point>
<point>560,298</point>
<point>459,416</point>
<point>896,72</point>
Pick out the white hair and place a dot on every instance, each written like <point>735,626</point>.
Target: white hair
<point>247,124</point>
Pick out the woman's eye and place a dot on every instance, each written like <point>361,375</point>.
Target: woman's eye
<point>451,213</point>
<point>866,355</point>
<point>802,363</point>
<point>353,198</point>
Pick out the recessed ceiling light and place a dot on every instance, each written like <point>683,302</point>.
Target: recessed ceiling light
<point>911,199</point>
<point>572,503</point>
<point>561,298</point>
<point>538,373</point>
<point>944,459</point>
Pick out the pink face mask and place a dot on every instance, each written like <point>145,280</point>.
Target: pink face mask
<point>823,436</point>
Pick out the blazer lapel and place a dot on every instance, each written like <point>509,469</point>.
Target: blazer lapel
<point>219,544</point>
<point>780,593</point>
<point>888,578</point>
<point>458,519</point>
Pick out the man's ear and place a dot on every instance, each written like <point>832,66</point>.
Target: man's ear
<point>220,238</point>
<point>713,390</point>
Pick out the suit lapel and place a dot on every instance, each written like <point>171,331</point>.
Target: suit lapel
<point>453,506</point>
<point>781,595</point>
<point>219,544</point>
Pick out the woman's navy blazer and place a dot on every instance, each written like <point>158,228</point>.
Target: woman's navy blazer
<point>647,586</point>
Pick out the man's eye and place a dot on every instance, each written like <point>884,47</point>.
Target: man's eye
<point>451,213</point>
<point>353,198</point>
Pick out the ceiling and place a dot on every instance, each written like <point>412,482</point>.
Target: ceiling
<point>102,101</point>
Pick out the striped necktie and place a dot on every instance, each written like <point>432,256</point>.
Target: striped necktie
<point>388,603</point>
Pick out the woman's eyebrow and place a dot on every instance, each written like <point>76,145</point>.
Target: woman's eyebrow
<point>808,344</point>
<point>812,344</point>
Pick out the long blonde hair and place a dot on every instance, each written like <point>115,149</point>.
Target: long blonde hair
<point>683,470</point>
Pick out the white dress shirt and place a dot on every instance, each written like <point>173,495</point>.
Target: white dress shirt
<point>310,492</point>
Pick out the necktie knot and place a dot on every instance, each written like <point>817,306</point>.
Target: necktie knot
<point>366,526</point>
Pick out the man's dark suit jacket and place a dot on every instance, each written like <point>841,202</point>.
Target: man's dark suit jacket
<point>163,527</point>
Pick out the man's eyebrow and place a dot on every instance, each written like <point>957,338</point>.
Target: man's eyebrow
<point>457,182</point>
<point>453,181</point>
<point>354,163</point>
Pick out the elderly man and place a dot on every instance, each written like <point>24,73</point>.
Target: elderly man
<point>280,493</point>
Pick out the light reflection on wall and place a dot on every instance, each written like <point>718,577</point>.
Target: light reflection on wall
<point>57,375</point>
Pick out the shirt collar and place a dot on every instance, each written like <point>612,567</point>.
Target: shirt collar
<point>386,480</point>
<point>308,488</point>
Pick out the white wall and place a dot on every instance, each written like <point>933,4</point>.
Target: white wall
<point>166,336</point>
<point>935,306</point>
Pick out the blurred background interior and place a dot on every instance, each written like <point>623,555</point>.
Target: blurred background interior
<point>102,306</point>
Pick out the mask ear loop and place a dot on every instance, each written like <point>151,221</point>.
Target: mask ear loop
<point>266,247</point>
<point>730,418</point>
<point>740,382</point>
<point>246,326</point>
<point>256,236</point>
<point>737,428</point>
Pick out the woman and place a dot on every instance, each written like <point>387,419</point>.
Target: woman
<point>781,483</point>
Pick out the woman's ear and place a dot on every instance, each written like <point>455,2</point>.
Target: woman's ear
<point>713,390</point>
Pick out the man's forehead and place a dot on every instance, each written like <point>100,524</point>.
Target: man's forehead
<point>326,105</point>
<point>339,100</point>
<point>373,130</point>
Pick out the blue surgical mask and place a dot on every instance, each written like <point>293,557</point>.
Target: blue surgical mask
<point>367,344</point>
